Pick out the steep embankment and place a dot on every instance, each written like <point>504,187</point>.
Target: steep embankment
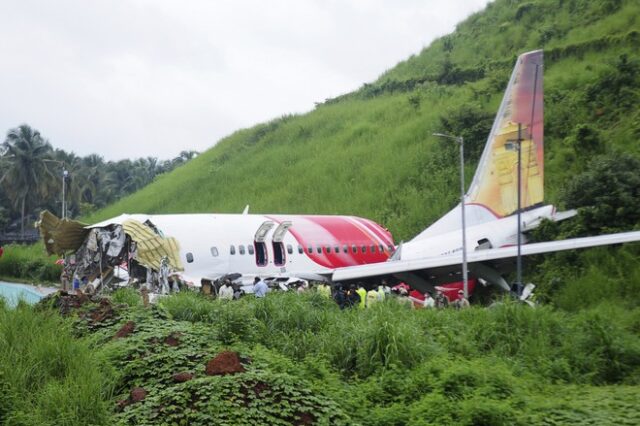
<point>370,152</point>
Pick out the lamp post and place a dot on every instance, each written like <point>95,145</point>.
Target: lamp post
<point>465,279</point>
<point>65,175</point>
<point>517,145</point>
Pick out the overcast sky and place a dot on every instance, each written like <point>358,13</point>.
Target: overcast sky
<point>131,78</point>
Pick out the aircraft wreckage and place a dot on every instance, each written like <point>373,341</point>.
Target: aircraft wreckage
<point>98,255</point>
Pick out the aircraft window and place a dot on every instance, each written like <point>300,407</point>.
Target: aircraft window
<point>373,248</point>
<point>232,249</point>
<point>354,248</point>
<point>319,249</point>
<point>327,249</point>
<point>241,249</point>
<point>390,248</point>
<point>189,257</point>
<point>345,248</point>
<point>250,249</point>
<point>289,249</point>
<point>336,249</point>
<point>300,249</point>
<point>310,249</point>
<point>214,251</point>
<point>364,249</point>
<point>381,247</point>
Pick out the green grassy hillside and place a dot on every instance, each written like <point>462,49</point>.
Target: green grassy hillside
<point>370,152</point>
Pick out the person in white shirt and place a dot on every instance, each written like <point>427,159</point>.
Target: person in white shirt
<point>429,302</point>
<point>225,292</point>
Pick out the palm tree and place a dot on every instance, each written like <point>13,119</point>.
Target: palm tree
<point>24,170</point>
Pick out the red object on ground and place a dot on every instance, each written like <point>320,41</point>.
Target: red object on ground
<point>226,362</point>
<point>60,262</point>
<point>138,394</point>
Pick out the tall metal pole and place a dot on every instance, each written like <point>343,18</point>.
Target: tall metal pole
<point>465,274</point>
<point>64,179</point>
<point>465,280</point>
<point>519,258</point>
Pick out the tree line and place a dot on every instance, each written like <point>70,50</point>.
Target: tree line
<point>33,172</point>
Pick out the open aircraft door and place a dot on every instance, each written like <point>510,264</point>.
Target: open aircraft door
<point>279,257</point>
<point>262,256</point>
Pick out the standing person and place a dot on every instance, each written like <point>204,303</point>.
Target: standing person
<point>442,301</point>
<point>353,298</point>
<point>164,275</point>
<point>372,298</point>
<point>428,301</point>
<point>324,290</point>
<point>363,296</point>
<point>462,302</point>
<point>226,291</point>
<point>260,288</point>
<point>381,293</point>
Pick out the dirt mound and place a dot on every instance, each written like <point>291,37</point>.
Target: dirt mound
<point>182,377</point>
<point>137,395</point>
<point>172,339</point>
<point>126,330</point>
<point>226,362</point>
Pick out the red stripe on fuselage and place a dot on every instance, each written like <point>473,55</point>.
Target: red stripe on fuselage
<point>337,231</point>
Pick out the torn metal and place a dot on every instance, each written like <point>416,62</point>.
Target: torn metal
<point>96,254</point>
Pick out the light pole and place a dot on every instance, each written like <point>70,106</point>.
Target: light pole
<point>465,279</point>
<point>517,145</point>
<point>65,175</point>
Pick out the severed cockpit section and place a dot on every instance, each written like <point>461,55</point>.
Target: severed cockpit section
<point>125,251</point>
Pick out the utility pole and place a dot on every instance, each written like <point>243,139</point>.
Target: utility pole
<point>517,145</point>
<point>465,273</point>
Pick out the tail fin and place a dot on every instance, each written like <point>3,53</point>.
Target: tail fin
<point>495,184</point>
<point>494,190</point>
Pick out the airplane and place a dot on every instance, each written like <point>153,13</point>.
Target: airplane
<point>206,247</point>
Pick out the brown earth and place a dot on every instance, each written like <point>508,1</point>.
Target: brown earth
<point>182,377</point>
<point>172,339</point>
<point>226,362</point>
<point>137,395</point>
<point>125,330</point>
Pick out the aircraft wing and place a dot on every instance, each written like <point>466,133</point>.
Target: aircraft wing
<point>438,266</point>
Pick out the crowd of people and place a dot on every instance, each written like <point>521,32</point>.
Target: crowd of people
<point>354,295</point>
<point>359,297</point>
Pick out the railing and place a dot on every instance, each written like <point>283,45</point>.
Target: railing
<point>30,236</point>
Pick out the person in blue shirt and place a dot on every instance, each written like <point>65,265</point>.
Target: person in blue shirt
<point>260,288</point>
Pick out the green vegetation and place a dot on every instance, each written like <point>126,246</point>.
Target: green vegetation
<point>575,360</point>
<point>304,361</point>
<point>48,377</point>
<point>31,178</point>
<point>29,263</point>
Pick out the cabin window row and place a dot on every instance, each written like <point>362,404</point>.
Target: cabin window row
<point>319,249</point>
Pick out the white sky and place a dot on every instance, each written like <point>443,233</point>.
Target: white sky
<point>132,78</point>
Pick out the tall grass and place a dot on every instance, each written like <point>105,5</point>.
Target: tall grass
<point>29,263</point>
<point>48,377</point>
<point>583,348</point>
